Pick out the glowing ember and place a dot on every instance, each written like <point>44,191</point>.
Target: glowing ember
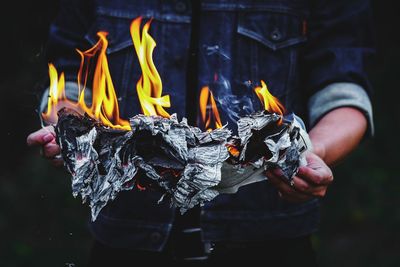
<point>208,109</point>
<point>270,102</point>
<point>233,151</point>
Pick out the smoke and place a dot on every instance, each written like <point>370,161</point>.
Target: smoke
<point>232,105</point>
<point>219,67</point>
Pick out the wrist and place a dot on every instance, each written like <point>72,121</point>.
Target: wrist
<point>319,149</point>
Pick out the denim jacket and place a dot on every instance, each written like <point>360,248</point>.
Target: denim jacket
<point>301,48</point>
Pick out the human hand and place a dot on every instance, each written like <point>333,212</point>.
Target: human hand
<point>46,139</point>
<point>311,180</point>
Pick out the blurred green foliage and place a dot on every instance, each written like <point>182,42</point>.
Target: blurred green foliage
<point>41,224</point>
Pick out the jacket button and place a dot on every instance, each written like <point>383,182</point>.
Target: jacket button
<point>276,35</point>
<point>180,6</point>
<point>155,237</point>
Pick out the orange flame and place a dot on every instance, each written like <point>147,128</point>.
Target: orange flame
<point>149,86</point>
<point>56,93</point>
<point>208,109</point>
<point>104,105</point>
<point>233,151</point>
<point>270,102</point>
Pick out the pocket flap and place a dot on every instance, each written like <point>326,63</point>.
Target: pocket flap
<point>117,21</point>
<point>275,30</point>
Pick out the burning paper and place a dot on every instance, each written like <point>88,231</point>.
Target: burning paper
<point>106,154</point>
<point>189,165</point>
<point>266,139</point>
<point>262,143</point>
<point>158,153</point>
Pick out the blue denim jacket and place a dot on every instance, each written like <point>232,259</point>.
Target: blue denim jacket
<point>297,46</point>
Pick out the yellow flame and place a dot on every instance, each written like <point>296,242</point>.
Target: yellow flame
<point>104,105</point>
<point>57,98</point>
<point>149,86</point>
<point>270,102</point>
<point>56,93</point>
<point>208,109</point>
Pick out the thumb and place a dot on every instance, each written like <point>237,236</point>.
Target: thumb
<point>41,137</point>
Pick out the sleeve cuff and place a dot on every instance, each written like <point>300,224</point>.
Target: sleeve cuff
<point>71,93</point>
<point>338,95</point>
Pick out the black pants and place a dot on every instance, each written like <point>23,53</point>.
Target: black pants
<point>283,253</point>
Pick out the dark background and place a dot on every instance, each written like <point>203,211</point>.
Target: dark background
<point>41,224</point>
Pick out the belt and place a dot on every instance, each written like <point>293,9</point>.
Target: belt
<point>188,245</point>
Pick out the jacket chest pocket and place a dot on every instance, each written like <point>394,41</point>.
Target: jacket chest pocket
<point>267,49</point>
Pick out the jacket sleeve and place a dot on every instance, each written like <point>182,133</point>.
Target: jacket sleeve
<point>337,56</point>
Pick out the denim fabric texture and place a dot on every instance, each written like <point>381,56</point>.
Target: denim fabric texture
<point>298,47</point>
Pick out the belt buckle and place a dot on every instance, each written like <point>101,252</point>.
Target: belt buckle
<point>191,247</point>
